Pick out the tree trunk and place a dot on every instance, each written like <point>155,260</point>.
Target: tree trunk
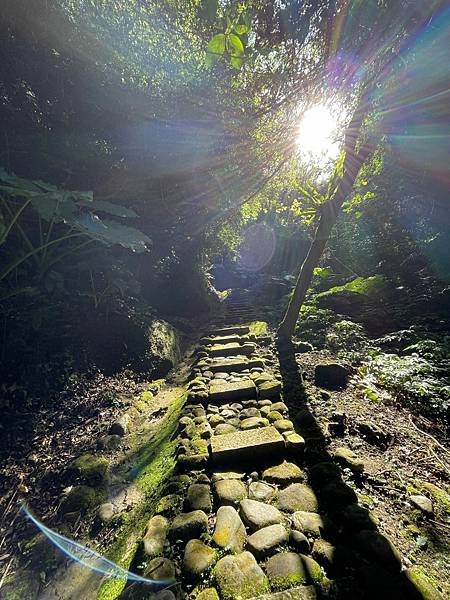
<point>329,214</point>
<point>327,220</point>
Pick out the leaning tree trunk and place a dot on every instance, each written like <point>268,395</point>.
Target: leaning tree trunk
<point>329,214</point>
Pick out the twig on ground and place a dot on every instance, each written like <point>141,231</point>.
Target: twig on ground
<point>5,573</point>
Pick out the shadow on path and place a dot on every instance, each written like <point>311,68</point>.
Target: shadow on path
<point>362,562</point>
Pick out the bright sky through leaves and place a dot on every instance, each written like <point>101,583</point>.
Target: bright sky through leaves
<point>317,136</point>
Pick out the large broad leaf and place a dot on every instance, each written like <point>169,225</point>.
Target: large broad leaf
<point>56,206</point>
<point>216,48</point>
<point>116,210</point>
<point>110,233</point>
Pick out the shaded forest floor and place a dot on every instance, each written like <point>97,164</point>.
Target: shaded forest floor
<point>402,458</point>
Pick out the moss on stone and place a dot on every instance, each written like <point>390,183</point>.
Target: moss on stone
<point>258,327</point>
<point>154,466</point>
<point>439,495</point>
<point>146,396</point>
<point>423,583</point>
<point>90,468</point>
<point>82,498</point>
<point>141,406</point>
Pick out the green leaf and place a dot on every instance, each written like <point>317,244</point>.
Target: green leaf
<point>236,62</point>
<point>236,47</point>
<point>111,233</point>
<point>216,45</point>
<point>111,209</point>
<point>57,206</point>
<point>241,29</point>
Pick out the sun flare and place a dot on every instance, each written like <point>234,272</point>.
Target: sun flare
<point>316,137</point>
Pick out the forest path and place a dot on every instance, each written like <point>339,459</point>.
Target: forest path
<point>258,507</point>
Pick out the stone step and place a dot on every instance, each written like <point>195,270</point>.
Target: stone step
<point>227,339</point>
<point>232,349</point>
<point>235,390</point>
<point>236,330</point>
<point>243,445</point>
<point>229,365</point>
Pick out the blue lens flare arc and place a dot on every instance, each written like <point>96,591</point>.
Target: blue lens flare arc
<point>92,560</point>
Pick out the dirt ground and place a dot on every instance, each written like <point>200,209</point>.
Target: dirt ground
<point>414,459</point>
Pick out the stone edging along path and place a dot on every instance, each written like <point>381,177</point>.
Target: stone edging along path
<point>258,507</point>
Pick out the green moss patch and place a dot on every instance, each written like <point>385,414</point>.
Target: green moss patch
<point>153,467</point>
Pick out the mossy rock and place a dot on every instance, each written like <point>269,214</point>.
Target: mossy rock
<point>208,594</point>
<point>440,496</point>
<point>146,396</point>
<point>422,584</point>
<point>240,576</point>
<point>90,469</point>
<point>82,498</point>
<point>288,569</point>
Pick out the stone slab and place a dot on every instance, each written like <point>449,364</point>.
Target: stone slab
<point>231,349</point>
<point>253,443</point>
<point>237,330</point>
<point>228,365</point>
<point>228,339</point>
<point>245,388</point>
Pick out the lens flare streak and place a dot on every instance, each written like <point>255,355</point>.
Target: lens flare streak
<point>92,560</point>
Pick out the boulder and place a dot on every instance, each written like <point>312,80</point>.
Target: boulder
<point>333,376</point>
<point>246,413</point>
<point>164,347</point>
<point>198,558</point>
<point>295,444</point>
<point>258,515</point>
<point>265,541</point>
<point>324,553</point>
<point>161,569</point>
<point>422,503</point>
<point>224,428</point>
<point>283,425</point>
<point>288,569</point>
<point>280,407</point>
<point>309,523</point>
<point>299,541</point>
<point>155,536</point>
<point>208,594</point>
<point>199,497</point>
<point>253,423</point>
<point>240,576</point>
<point>348,459</point>
<point>283,474</point>
<point>258,490</point>
<point>230,491</point>
<point>189,525</point>
<point>298,496</point>
<point>229,532</point>
<point>221,475</point>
